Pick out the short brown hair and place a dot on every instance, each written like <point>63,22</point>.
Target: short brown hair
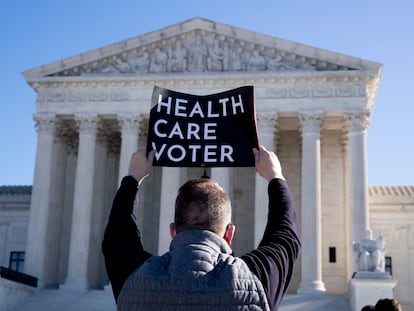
<point>202,204</point>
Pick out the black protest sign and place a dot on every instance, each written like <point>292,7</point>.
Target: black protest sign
<point>217,130</point>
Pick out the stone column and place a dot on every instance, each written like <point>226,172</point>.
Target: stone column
<point>56,207</point>
<point>129,141</point>
<point>169,186</point>
<point>311,280</point>
<point>36,250</point>
<point>222,176</point>
<point>82,203</point>
<point>266,130</point>
<point>357,123</point>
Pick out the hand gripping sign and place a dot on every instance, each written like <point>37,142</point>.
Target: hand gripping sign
<point>217,130</point>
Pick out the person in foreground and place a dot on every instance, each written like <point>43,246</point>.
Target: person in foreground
<point>385,304</point>
<point>200,272</point>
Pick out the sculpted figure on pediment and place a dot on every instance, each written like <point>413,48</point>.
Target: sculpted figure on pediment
<point>140,63</point>
<point>108,69</point>
<point>120,66</point>
<point>234,58</point>
<point>159,61</point>
<point>256,62</point>
<point>215,58</point>
<point>197,56</point>
<point>276,63</point>
<point>123,66</point>
<point>177,61</point>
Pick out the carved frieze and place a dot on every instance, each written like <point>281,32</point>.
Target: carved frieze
<point>277,91</point>
<point>353,90</point>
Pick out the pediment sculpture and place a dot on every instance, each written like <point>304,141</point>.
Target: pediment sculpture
<point>200,51</point>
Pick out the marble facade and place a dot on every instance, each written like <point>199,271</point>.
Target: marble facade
<point>313,108</point>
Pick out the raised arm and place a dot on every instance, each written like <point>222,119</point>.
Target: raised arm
<point>122,246</point>
<point>273,260</point>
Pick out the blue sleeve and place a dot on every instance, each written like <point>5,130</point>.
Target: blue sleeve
<point>122,246</point>
<point>273,261</point>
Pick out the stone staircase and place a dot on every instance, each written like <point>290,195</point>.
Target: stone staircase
<point>67,300</point>
<point>102,300</point>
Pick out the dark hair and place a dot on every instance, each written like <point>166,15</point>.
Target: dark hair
<point>368,308</point>
<point>388,305</point>
<point>202,204</point>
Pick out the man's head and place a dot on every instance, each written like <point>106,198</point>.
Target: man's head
<point>388,305</point>
<point>203,204</point>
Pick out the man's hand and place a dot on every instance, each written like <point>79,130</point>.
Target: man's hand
<point>267,164</point>
<point>140,165</point>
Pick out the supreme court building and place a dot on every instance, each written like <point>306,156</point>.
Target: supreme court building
<point>313,109</point>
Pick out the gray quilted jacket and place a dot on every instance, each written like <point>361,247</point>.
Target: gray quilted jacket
<point>198,273</point>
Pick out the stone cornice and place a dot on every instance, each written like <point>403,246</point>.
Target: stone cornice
<point>391,199</point>
<point>369,77</point>
<point>381,191</point>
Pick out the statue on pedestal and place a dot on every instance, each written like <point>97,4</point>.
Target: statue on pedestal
<point>370,253</point>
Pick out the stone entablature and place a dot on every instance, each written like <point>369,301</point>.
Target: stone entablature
<point>286,69</point>
<point>392,198</point>
<point>121,91</point>
<point>10,196</point>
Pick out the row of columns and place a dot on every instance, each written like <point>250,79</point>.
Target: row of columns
<point>310,126</point>
<point>311,211</point>
<point>37,244</point>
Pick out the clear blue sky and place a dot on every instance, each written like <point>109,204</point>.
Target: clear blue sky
<point>34,33</point>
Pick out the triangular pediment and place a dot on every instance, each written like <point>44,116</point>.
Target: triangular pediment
<point>200,45</point>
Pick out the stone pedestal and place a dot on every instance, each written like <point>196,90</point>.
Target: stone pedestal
<point>368,287</point>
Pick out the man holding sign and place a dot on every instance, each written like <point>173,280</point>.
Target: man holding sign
<point>200,272</point>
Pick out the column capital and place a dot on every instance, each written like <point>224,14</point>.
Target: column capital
<point>310,121</point>
<point>128,118</point>
<point>357,121</point>
<point>129,122</point>
<point>66,132</point>
<point>87,122</point>
<point>267,122</point>
<point>45,122</point>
